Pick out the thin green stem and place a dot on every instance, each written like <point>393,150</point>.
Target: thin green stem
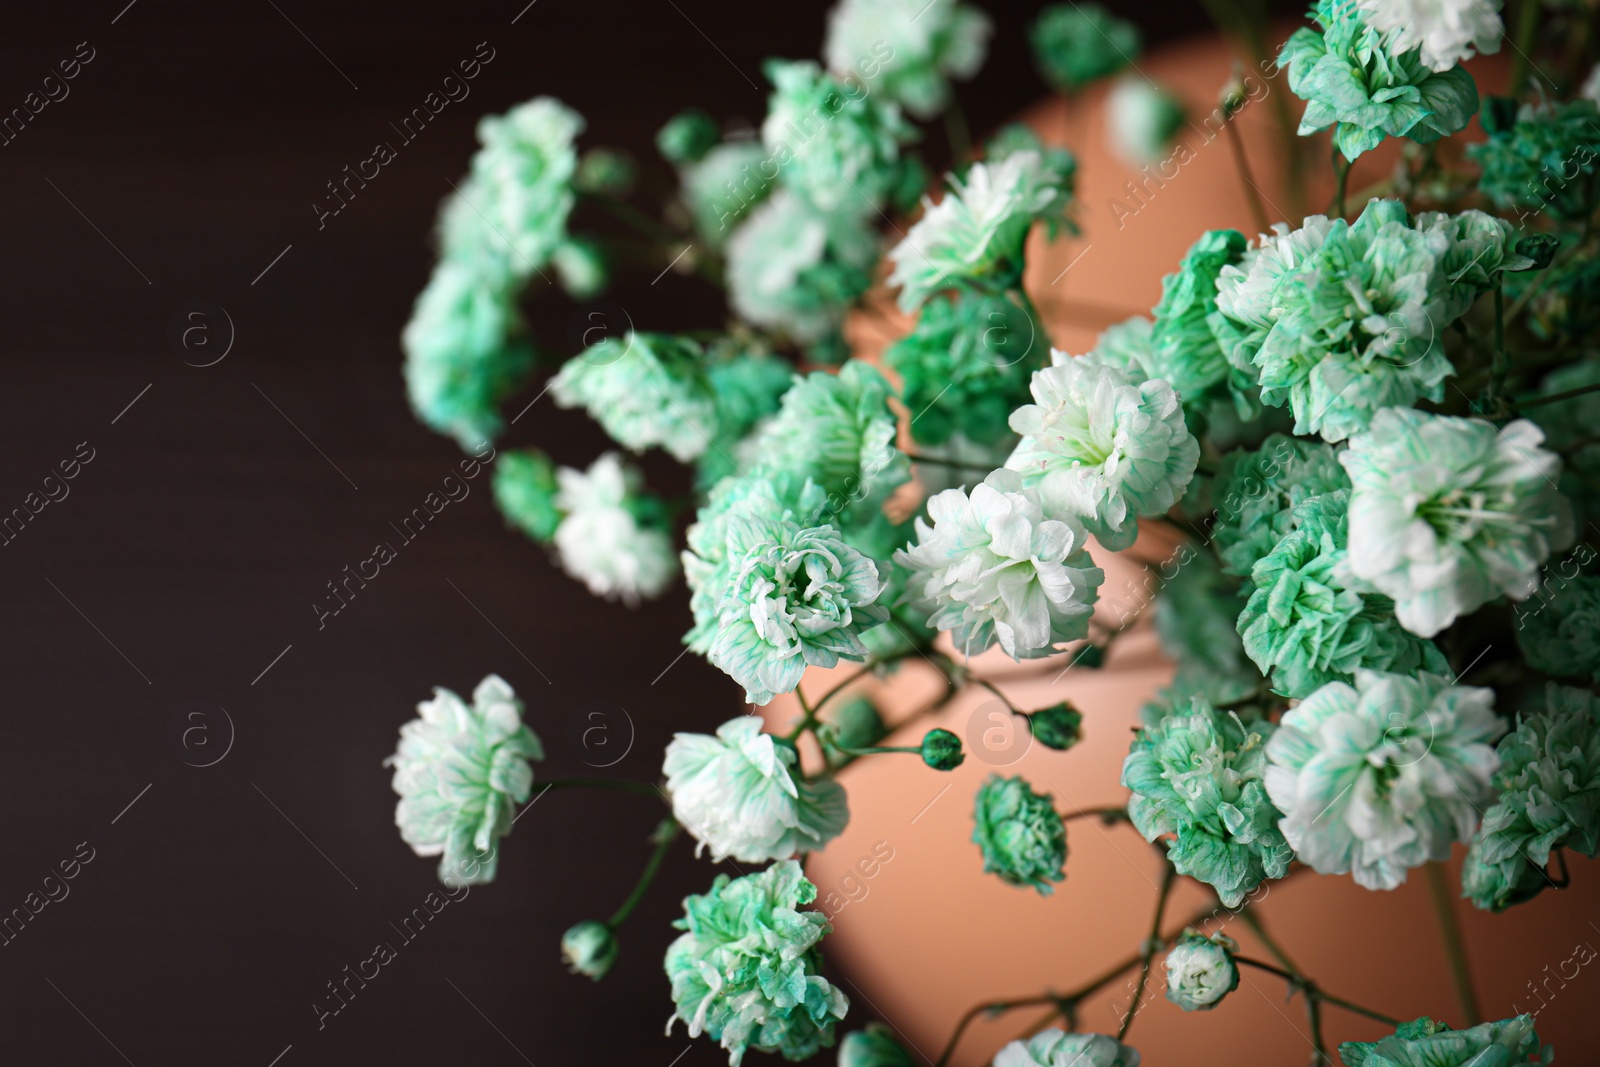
<point>1501,367</point>
<point>1110,814</point>
<point>1341,168</point>
<point>878,749</point>
<point>976,468</point>
<point>955,131</point>
<point>1252,920</point>
<point>991,687</point>
<point>665,834</point>
<point>1151,947</point>
<point>1455,946</point>
<point>1299,981</point>
<point>1527,26</point>
<point>1539,401</point>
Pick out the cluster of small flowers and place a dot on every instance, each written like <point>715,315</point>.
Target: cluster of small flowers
<point>1288,395</point>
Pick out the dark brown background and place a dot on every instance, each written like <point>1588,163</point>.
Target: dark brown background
<point>190,550</point>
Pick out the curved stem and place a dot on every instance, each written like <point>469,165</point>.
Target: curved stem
<point>955,464</point>
<point>1151,947</point>
<point>991,687</point>
<point>1242,161</point>
<point>1313,991</point>
<point>665,834</point>
<point>1553,398</point>
<point>993,1007</point>
<point>1110,814</point>
<point>1455,946</point>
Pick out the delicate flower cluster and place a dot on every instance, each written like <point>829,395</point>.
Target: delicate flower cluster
<point>992,569</point>
<point>1549,798</point>
<point>1259,491</point>
<point>613,536</point>
<point>1201,971</point>
<point>740,795</point>
<point>1561,636</point>
<point>1097,446</point>
<point>1198,775</point>
<point>1075,44</point>
<point>461,770</point>
<point>1541,156</point>
<point>1425,1041</point>
<point>975,235</point>
<point>1445,32</point>
<point>1303,623</point>
<point>745,971</point>
<point>644,389</point>
<point>1021,837</point>
<point>1368,85</point>
<point>1384,775</point>
<point>1447,513</point>
<point>919,48</point>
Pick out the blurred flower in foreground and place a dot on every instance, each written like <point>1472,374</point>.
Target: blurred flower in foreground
<point>614,537</point>
<point>461,771</point>
<point>1075,44</point>
<point>1427,1042</point>
<point>907,49</point>
<point>1021,837</point>
<point>1053,1048</point>
<point>590,949</point>
<point>1141,120</point>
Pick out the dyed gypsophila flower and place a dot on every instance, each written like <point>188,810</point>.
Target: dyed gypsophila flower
<point>1549,798</point>
<point>1075,44</point>
<point>644,389</point>
<point>614,538</point>
<point>1433,1044</point>
<point>965,365</point>
<point>1022,838</point>
<point>745,972</point>
<point>834,142</point>
<point>1198,774</point>
<point>1101,448</point>
<point>1354,79</point>
<point>794,596</point>
<point>741,794</point>
<point>875,1046</point>
<point>1540,156</point>
<point>1183,350</point>
<point>1355,326</point>
<point>461,770</point>
<point>838,431</point>
<point>1055,1048</point>
<point>1446,32</point>
<point>589,948</point>
<point>463,354</point>
<point>747,388</point>
<point>1384,775</point>
<point>523,173</point>
<point>525,489</point>
<point>1560,634</point>
<point>992,569</point>
<point>1306,626</point>
<point>1201,971</point>
<point>907,49</point>
<point>796,269</point>
<point>722,187</point>
<point>1141,120</point>
<point>1258,491</point>
<point>975,234</point>
<point>1056,170</point>
<point>688,136</point>
<point>1448,513</point>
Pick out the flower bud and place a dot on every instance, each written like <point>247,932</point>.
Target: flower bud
<point>1058,727</point>
<point>873,1047</point>
<point>1201,971</point>
<point>589,948</point>
<point>941,750</point>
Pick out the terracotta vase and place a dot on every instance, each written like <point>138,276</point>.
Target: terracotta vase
<point>921,934</point>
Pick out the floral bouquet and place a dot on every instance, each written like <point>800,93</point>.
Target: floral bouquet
<point>1373,432</point>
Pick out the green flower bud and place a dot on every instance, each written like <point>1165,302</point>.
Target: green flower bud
<point>1058,727</point>
<point>1021,837</point>
<point>604,172</point>
<point>525,490</point>
<point>1201,971</point>
<point>688,136</point>
<point>1092,657</point>
<point>854,723</point>
<point>873,1047</point>
<point>1539,247</point>
<point>580,266</point>
<point>941,750</point>
<point>589,948</point>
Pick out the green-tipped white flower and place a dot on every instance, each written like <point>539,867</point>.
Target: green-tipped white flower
<point>1447,32</point>
<point>975,235</point>
<point>614,537</point>
<point>1201,971</point>
<point>589,949</point>
<point>992,569</point>
<point>1097,446</point>
<point>741,794</point>
<point>1141,120</point>
<point>645,389</point>
<point>1020,834</point>
<point>1384,775</point>
<point>1426,1042</point>
<point>745,970</point>
<point>1054,1048</point>
<point>836,143</point>
<point>1446,514</point>
<point>461,770</point>
<point>523,174</point>
<point>926,45</point>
